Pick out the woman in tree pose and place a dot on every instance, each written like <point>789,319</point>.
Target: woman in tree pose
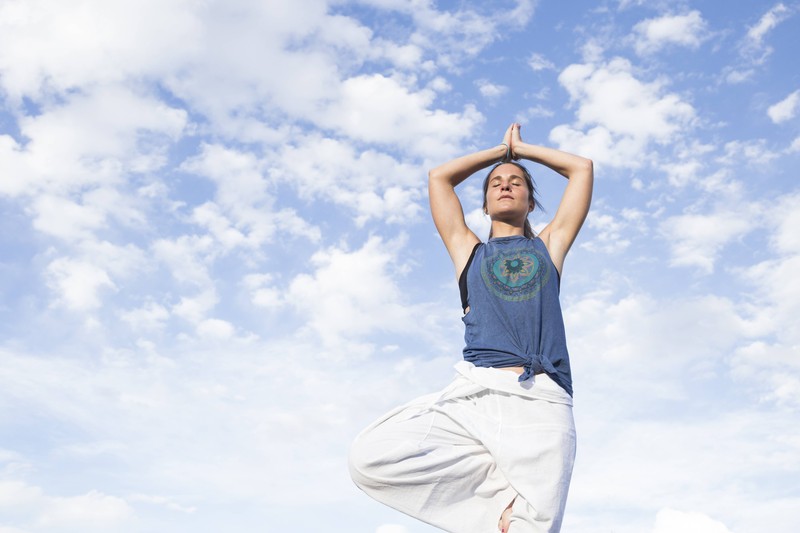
<point>495,448</point>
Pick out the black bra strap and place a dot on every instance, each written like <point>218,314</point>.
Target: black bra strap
<point>462,279</point>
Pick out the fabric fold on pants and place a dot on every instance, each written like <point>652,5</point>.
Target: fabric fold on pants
<point>455,459</point>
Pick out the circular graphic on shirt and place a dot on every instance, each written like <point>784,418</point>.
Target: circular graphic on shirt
<point>515,275</point>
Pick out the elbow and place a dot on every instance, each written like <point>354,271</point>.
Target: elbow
<point>586,168</point>
<point>581,168</point>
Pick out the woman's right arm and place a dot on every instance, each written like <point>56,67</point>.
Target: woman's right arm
<point>448,216</point>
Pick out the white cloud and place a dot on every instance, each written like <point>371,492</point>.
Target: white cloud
<point>354,294</point>
<point>740,75</point>
<point>4,529</point>
<point>697,239</point>
<point>610,232</point>
<point>681,173</point>
<point>95,269</point>
<point>768,22</point>
<point>91,510</point>
<point>243,213</point>
<point>455,35</point>
<point>210,217</point>
<point>168,503</point>
<point>370,184</point>
<point>382,110</point>
<point>623,115</point>
<point>347,291</point>
<point>785,216</point>
<point>680,30</point>
<point>440,85</point>
<point>752,49</point>
<point>65,219</point>
<point>785,109</point>
<point>77,284</point>
<point>16,494</point>
<point>635,330</point>
<point>765,361</point>
<point>230,74</point>
<point>314,84</point>
<point>396,205</point>
<point>347,34</point>
<point>187,257</point>
<point>646,384</point>
<point>769,371</point>
<point>92,139</point>
<point>277,398</point>
<point>774,278</point>
<point>599,144</point>
<point>610,95</point>
<point>535,112</point>
<point>262,293</point>
<point>687,166</point>
<point>215,329</point>
<point>403,56</point>
<point>490,90</point>
<point>747,153</point>
<point>538,62</point>
<point>211,51</point>
<point>391,528</point>
<point>194,309</point>
<point>149,317</point>
<point>237,175</point>
<point>673,521</point>
<point>53,46</point>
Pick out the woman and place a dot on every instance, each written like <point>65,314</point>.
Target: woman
<point>495,448</point>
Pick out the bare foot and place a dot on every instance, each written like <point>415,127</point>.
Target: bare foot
<point>505,518</point>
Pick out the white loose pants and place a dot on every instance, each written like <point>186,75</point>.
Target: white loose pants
<point>457,458</point>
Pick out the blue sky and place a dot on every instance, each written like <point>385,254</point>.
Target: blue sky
<point>218,265</point>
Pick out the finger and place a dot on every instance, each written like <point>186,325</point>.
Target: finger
<point>515,140</point>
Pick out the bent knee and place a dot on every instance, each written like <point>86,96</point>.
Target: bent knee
<point>363,461</point>
<point>375,459</point>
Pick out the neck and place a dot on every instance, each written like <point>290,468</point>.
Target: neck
<point>503,229</point>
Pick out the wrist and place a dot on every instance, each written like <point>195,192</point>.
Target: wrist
<point>506,152</point>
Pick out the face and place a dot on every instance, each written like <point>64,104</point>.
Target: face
<point>507,194</point>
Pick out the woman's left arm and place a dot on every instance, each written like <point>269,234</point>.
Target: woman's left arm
<point>561,232</point>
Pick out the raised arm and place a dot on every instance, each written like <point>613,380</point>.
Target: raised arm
<point>448,215</point>
<point>561,232</point>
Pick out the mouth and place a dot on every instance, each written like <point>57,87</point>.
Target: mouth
<point>506,196</point>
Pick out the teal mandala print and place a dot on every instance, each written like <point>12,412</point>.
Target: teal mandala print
<point>515,275</point>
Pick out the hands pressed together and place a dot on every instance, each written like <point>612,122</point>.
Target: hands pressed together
<point>512,140</point>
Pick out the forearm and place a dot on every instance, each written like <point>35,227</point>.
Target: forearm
<point>566,164</point>
<point>459,169</point>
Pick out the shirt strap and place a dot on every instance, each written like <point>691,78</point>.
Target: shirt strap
<point>462,279</point>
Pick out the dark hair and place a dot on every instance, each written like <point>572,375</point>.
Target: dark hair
<point>532,195</point>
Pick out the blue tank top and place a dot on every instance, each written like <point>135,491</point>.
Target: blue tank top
<point>511,287</point>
